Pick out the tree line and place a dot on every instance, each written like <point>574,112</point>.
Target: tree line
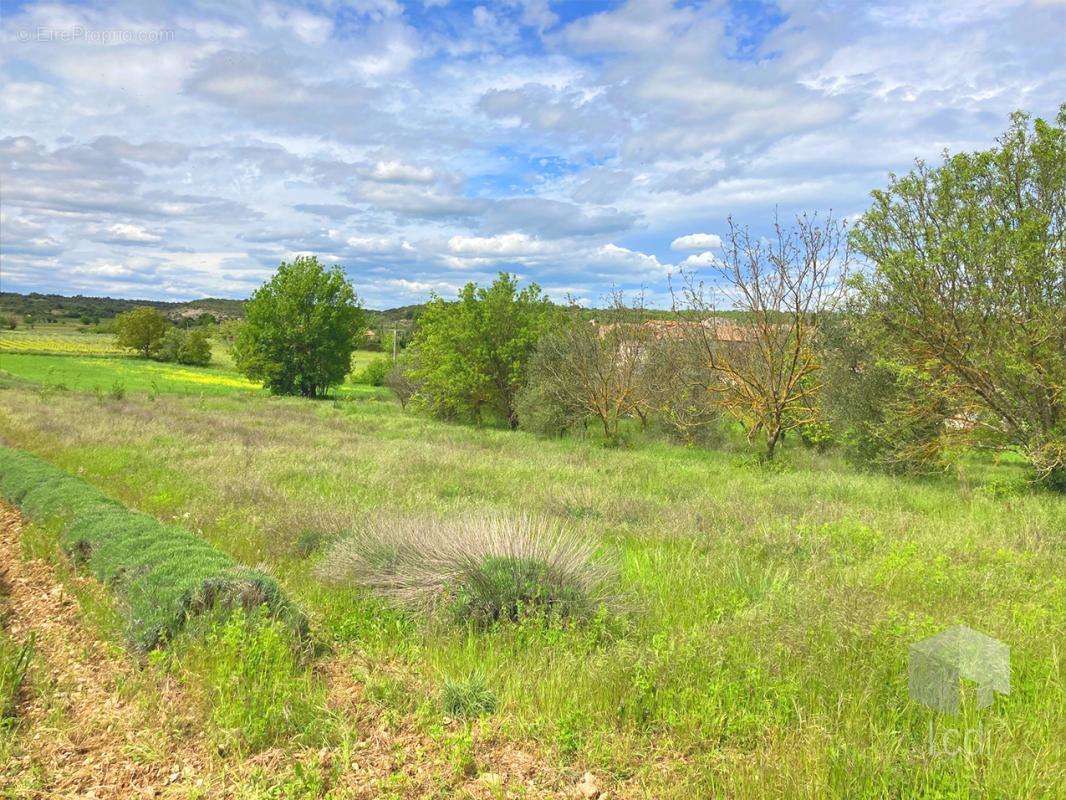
<point>938,317</point>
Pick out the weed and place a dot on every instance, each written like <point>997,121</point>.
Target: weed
<point>14,664</point>
<point>257,692</point>
<point>467,697</point>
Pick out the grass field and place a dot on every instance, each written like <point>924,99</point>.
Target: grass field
<point>58,340</point>
<point>763,646</point>
<point>58,357</point>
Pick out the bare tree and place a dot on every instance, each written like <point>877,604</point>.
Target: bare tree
<point>766,356</point>
<point>400,381</point>
<point>677,383</point>
<point>593,367</point>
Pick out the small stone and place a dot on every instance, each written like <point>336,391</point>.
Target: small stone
<point>588,788</point>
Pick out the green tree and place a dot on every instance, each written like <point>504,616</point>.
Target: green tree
<point>472,354</point>
<point>190,346</point>
<point>196,349</point>
<point>300,329</point>
<point>141,329</point>
<point>970,280</point>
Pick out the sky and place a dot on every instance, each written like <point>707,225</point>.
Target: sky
<point>178,150</point>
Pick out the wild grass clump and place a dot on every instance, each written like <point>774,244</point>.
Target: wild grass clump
<point>468,697</point>
<point>481,570</point>
<point>164,574</point>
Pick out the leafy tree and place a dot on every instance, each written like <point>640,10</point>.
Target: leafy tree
<point>300,329</point>
<point>885,412</point>
<point>473,354</point>
<point>141,329</point>
<point>373,374</point>
<point>970,280</point>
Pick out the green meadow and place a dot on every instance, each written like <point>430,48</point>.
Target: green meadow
<point>60,358</point>
<point>760,643</point>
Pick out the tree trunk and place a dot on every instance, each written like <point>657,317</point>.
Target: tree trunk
<point>771,443</point>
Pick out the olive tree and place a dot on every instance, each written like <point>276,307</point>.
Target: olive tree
<point>969,276</point>
<point>591,368</point>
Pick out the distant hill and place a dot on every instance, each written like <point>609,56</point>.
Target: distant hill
<point>80,308</point>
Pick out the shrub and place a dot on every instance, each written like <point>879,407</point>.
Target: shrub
<point>400,381</point>
<point>185,346</point>
<point>373,374</point>
<point>467,697</point>
<point>481,570</point>
<point>164,574</point>
<point>542,412</point>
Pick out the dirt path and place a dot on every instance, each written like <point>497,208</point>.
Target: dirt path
<point>84,733</point>
<point>97,725</point>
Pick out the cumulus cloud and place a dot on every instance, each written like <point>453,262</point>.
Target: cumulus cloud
<point>506,245</point>
<point>696,241</point>
<point>699,260</point>
<point>125,233</point>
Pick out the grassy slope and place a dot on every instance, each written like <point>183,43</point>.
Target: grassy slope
<point>773,611</point>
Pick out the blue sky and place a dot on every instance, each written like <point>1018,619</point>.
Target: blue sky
<point>181,150</point>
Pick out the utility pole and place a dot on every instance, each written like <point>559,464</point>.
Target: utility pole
<point>395,341</point>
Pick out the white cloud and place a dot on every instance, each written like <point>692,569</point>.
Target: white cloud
<point>398,172</point>
<point>611,257</point>
<point>134,234</point>
<point>503,245</point>
<point>700,260</point>
<point>420,150</point>
<point>697,241</point>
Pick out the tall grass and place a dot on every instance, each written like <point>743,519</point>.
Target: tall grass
<point>15,661</point>
<point>774,609</point>
<point>254,687</point>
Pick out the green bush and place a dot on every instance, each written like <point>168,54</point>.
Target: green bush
<point>507,588</point>
<point>373,374</point>
<point>163,574</point>
<point>185,346</point>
